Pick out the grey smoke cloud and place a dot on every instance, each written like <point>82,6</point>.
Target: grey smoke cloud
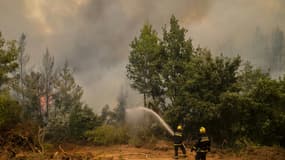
<point>94,35</point>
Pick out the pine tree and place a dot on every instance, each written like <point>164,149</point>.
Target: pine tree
<point>33,89</point>
<point>68,94</point>
<point>176,55</point>
<point>144,64</point>
<point>9,108</point>
<point>120,111</point>
<point>8,63</point>
<point>48,79</point>
<point>22,61</point>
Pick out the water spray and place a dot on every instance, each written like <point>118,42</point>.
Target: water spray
<point>162,122</point>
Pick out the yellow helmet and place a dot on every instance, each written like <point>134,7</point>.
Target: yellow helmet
<point>202,130</point>
<point>179,127</point>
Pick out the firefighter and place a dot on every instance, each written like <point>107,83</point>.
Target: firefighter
<point>178,142</point>
<point>202,146</point>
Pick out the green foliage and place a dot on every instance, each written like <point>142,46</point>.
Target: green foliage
<point>68,117</point>
<point>248,76</point>
<point>9,108</point>
<point>209,77</point>
<point>120,111</point>
<point>68,94</point>
<point>118,114</point>
<point>234,101</point>
<point>8,57</point>
<point>81,120</point>
<point>105,113</point>
<point>9,111</point>
<point>22,61</point>
<point>108,135</point>
<point>233,113</point>
<point>48,78</point>
<point>143,135</point>
<point>144,64</point>
<point>268,112</point>
<point>175,55</point>
<point>33,88</point>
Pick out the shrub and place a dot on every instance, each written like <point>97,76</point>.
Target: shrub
<point>144,135</point>
<point>9,112</point>
<point>82,120</point>
<point>107,135</point>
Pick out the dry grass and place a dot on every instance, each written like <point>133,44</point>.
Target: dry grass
<point>160,151</point>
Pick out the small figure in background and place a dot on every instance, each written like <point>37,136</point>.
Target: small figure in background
<point>178,142</point>
<point>202,146</point>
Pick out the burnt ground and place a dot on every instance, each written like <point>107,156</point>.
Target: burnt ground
<point>160,151</point>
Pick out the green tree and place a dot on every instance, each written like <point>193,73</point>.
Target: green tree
<point>106,113</point>
<point>81,120</point>
<point>209,77</point>
<point>237,101</point>
<point>267,113</point>
<point>33,90</point>
<point>18,82</point>
<point>9,109</point>
<point>9,112</point>
<point>8,57</point>
<point>248,76</point>
<point>144,64</point>
<point>176,54</point>
<point>67,94</point>
<point>206,79</point>
<point>66,98</point>
<point>22,61</point>
<point>120,111</point>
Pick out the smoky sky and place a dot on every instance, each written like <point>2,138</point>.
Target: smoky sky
<point>94,35</point>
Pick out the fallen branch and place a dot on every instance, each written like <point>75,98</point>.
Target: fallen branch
<point>28,142</point>
<point>61,149</point>
<point>41,137</point>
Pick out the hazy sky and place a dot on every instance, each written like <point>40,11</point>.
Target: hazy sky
<point>94,35</point>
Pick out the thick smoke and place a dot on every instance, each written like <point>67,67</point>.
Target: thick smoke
<point>94,35</point>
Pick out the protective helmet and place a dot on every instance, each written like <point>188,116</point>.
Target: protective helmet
<point>202,130</point>
<point>179,127</point>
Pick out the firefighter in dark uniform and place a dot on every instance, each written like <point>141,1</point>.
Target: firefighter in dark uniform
<point>202,146</point>
<point>178,142</point>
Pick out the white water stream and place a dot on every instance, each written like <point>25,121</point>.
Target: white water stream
<point>162,122</point>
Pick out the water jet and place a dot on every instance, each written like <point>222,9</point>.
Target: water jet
<point>130,111</point>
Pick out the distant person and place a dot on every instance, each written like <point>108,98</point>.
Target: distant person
<point>202,146</point>
<point>178,142</point>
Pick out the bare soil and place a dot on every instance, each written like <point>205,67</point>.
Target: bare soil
<point>160,151</point>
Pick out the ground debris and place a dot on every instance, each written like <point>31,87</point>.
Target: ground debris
<point>125,152</point>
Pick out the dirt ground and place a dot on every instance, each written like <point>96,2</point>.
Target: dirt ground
<point>161,151</point>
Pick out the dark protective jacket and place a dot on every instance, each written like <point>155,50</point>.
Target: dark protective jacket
<point>178,137</point>
<point>203,144</point>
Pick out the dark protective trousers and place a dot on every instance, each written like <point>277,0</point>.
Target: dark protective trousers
<point>200,156</point>
<point>176,147</point>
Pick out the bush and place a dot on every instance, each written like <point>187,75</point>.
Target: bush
<point>82,120</point>
<point>57,130</point>
<point>23,136</point>
<point>9,112</point>
<point>107,135</point>
<point>145,134</point>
